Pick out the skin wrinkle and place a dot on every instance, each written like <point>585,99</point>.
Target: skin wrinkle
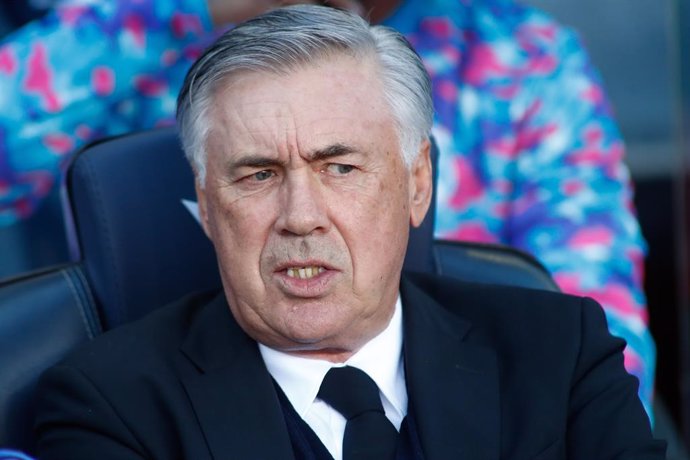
<point>307,212</point>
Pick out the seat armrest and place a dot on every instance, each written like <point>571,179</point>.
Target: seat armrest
<point>42,317</point>
<point>491,264</point>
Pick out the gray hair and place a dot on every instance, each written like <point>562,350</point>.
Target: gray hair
<point>288,38</point>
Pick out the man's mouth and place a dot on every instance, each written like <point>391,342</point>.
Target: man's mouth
<point>304,273</point>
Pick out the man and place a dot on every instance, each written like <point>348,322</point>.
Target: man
<point>529,153</point>
<point>307,130</point>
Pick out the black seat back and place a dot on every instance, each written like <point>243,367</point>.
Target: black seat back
<point>140,247</point>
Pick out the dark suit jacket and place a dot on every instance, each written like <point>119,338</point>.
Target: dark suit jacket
<point>492,373</point>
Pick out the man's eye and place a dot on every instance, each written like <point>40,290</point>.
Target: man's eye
<point>339,169</point>
<point>262,175</point>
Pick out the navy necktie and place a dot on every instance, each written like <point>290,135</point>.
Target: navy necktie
<point>368,433</point>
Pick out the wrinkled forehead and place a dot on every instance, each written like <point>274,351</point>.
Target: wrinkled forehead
<point>323,61</point>
<point>337,86</point>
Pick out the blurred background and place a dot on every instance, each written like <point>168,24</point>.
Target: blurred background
<point>642,48</point>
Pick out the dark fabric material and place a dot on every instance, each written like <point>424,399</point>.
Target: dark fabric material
<point>369,435</point>
<point>306,445</point>
<point>492,373</point>
<point>409,447</point>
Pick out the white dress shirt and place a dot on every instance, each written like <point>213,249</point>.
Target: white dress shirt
<point>300,379</point>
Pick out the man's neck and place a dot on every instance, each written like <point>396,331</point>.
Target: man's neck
<point>381,358</point>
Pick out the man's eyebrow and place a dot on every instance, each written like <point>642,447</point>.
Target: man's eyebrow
<point>254,161</point>
<point>320,154</point>
<point>331,151</point>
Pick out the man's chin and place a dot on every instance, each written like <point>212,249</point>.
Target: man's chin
<point>314,351</point>
<point>326,343</point>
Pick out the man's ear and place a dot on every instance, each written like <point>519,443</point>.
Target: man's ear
<point>203,210</point>
<point>421,184</point>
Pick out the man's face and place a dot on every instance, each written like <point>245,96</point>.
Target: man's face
<point>308,204</point>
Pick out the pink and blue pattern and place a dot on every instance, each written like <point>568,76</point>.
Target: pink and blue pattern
<point>89,69</point>
<point>530,154</point>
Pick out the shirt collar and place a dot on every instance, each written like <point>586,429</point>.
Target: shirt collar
<point>381,358</point>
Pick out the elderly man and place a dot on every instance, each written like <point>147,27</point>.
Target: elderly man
<point>308,132</point>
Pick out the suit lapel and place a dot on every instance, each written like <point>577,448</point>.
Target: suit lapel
<point>230,389</point>
<point>452,384</point>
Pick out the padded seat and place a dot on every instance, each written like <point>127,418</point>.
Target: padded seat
<point>42,317</point>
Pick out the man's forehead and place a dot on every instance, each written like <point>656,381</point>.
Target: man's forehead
<point>329,96</point>
<point>334,68</point>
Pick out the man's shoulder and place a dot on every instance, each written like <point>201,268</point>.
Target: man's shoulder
<point>128,383</point>
<point>501,312</point>
<point>533,333</point>
<point>448,290</point>
<point>154,337</point>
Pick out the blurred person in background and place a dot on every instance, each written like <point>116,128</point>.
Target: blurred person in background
<point>18,12</point>
<point>530,153</point>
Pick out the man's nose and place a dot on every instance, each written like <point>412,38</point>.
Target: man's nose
<point>303,205</point>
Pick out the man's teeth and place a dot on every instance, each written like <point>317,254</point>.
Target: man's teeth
<point>304,272</point>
